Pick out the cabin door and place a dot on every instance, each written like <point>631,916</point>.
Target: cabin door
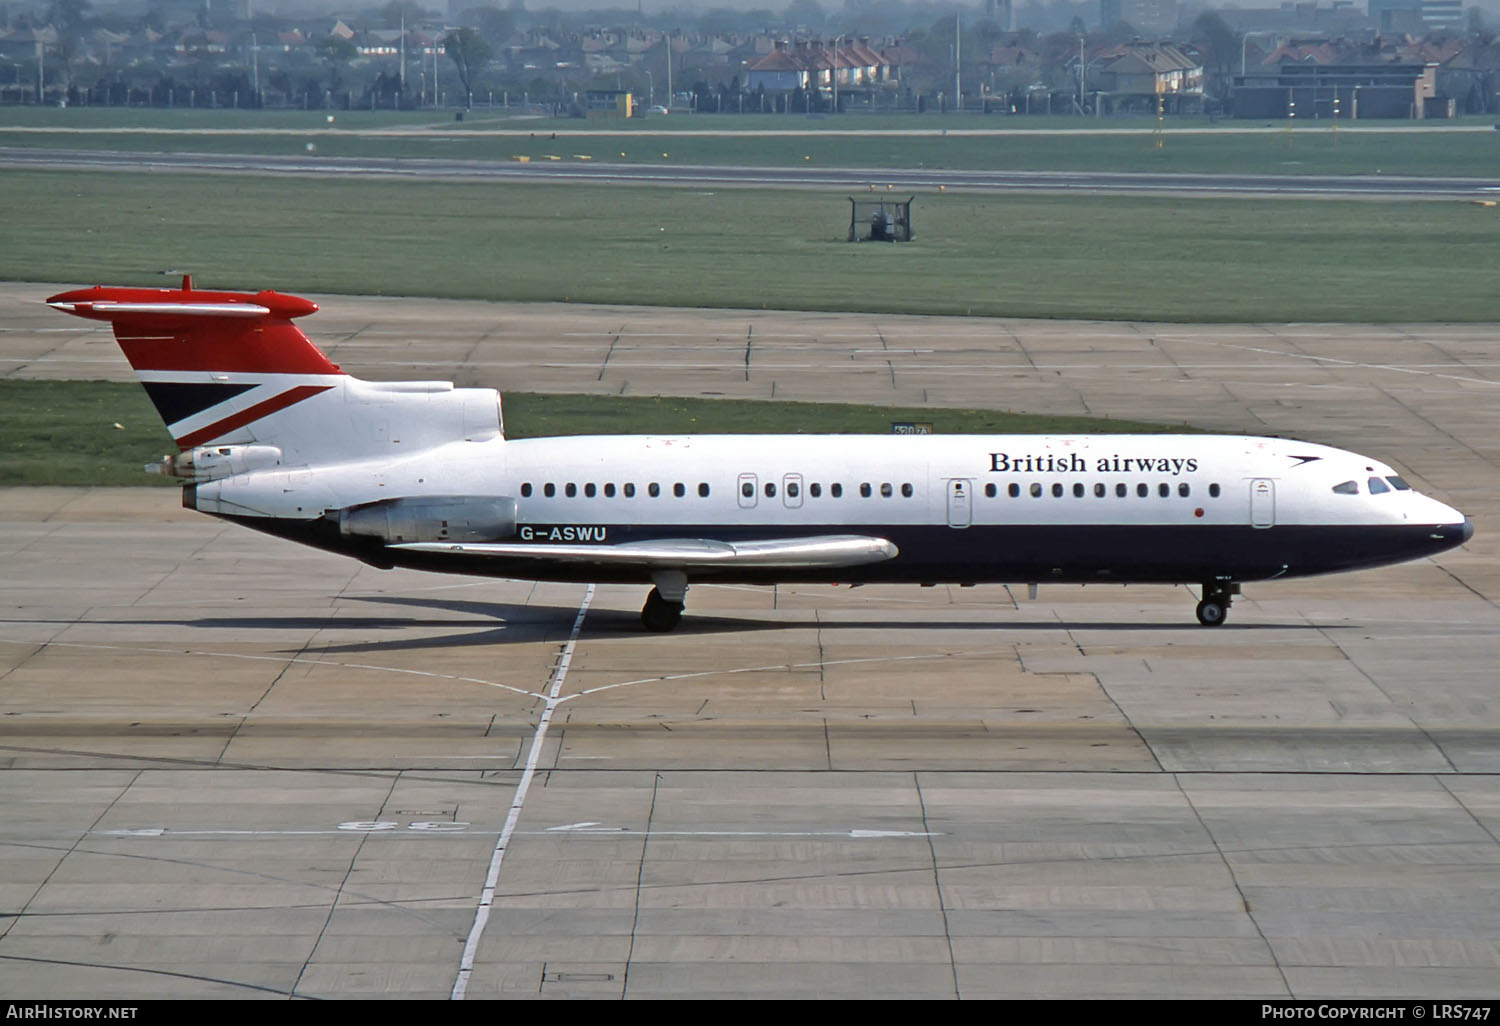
<point>1262,503</point>
<point>960,502</point>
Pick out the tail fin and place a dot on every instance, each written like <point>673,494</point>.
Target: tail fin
<point>240,387</point>
<point>215,364</point>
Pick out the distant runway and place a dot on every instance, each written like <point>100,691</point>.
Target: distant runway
<point>233,767</point>
<point>1091,183</point>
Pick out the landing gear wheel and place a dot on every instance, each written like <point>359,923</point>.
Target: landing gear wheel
<point>1212,612</point>
<point>658,614</point>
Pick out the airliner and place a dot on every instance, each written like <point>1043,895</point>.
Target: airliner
<point>419,474</point>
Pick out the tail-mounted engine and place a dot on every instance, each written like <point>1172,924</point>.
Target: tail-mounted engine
<point>211,462</point>
<point>435,518</point>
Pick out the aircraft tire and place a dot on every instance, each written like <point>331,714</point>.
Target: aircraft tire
<point>659,615</point>
<point>1212,612</point>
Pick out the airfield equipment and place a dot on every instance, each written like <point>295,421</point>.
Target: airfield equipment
<point>880,220</point>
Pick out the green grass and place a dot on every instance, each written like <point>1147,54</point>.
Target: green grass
<point>65,433</point>
<point>1088,257</point>
<point>1401,148</point>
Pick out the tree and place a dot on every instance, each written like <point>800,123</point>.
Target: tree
<point>336,53</point>
<point>807,14</point>
<point>1225,43</point>
<point>469,52</point>
<point>402,12</point>
<point>495,26</point>
<point>68,16</point>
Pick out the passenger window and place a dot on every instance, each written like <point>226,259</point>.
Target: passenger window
<point>629,490</point>
<point>792,491</point>
<point>864,490</point>
<point>1015,490</point>
<point>571,490</point>
<point>588,490</point>
<point>1164,490</point>
<point>1378,487</point>
<point>1078,491</point>
<point>1099,490</point>
<point>1142,490</point>
<point>1057,491</point>
<point>886,491</point>
<point>679,489</point>
<point>1120,490</point>
<point>526,490</point>
<point>1183,490</point>
<point>989,491</point>
<point>770,490</point>
<point>907,490</point>
<point>609,490</point>
<point>549,489</point>
<point>747,490</point>
<point>1036,491</point>
<point>1213,491</point>
<point>653,489</point>
<point>703,490</point>
<point>1398,484</point>
<point>836,490</point>
<point>815,490</point>
<point>1346,488</point>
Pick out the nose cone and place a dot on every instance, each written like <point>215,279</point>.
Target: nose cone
<point>1468,528</point>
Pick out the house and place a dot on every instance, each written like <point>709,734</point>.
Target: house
<point>1152,73</point>
<point>853,64</point>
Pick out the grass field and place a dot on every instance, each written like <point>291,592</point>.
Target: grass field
<point>1133,258</point>
<point>1398,148</point>
<point>103,433</point>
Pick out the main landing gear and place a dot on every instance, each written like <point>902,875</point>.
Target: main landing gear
<point>663,609</point>
<point>1217,597</point>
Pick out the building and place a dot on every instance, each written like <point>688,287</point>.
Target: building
<point>1151,17</point>
<point>1322,79</point>
<point>1151,74</point>
<point>1417,16</point>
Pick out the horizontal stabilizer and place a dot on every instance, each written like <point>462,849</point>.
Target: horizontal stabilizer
<point>831,550</point>
<point>109,310</point>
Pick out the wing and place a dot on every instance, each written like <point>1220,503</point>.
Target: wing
<point>829,550</point>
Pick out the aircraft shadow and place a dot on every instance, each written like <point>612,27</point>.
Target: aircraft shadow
<point>500,623</point>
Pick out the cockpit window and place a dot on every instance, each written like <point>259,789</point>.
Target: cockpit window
<point>1378,486</point>
<point>1398,484</point>
<point>1347,488</point>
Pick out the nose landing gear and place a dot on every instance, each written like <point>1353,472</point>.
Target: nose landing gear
<point>1217,597</point>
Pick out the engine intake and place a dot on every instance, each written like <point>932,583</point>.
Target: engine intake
<point>434,518</point>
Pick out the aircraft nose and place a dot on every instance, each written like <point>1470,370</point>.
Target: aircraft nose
<point>1468,528</point>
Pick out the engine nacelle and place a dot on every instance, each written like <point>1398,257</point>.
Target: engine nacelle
<point>431,518</point>
<point>211,462</point>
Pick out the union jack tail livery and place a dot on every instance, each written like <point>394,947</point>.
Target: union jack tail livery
<point>237,383</point>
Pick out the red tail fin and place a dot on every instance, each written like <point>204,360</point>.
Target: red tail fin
<point>213,363</point>
<point>191,330</point>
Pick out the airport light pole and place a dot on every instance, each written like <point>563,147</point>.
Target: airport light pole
<point>837,45</point>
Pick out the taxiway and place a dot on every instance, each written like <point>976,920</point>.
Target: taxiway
<point>232,767</point>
